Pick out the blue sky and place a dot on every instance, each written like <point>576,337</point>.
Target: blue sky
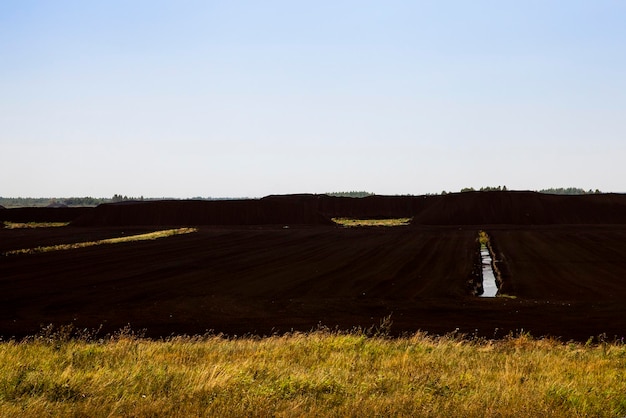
<point>249,98</point>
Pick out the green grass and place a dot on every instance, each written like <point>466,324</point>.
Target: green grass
<point>131,238</point>
<point>320,373</point>
<point>350,222</point>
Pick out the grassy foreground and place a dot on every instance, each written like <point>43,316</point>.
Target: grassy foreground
<point>320,373</point>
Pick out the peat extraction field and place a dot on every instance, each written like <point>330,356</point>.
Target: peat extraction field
<point>280,264</point>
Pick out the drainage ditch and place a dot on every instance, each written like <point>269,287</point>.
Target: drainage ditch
<point>490,287</point>
<point>487,280</point>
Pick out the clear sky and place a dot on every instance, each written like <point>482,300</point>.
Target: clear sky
<point>249,98</point>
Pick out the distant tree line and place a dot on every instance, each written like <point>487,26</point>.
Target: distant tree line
<point>569,190</point>
<point>485,189</point>
<point>14,202</point>
<point>350,194</point>
<point>119,198</point>
<point>482,189</point>
<point>554,190</point>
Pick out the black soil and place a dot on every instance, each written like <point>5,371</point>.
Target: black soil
<point>563,258</point>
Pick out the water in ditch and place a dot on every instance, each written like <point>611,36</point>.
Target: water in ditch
<point>490,289</point>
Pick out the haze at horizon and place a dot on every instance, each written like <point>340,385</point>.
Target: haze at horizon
<point>184,99</point>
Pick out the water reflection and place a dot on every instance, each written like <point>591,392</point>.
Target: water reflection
<point>490,289</point>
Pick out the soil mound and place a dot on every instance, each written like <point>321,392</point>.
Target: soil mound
<point>375,206</point>
<point>193,212</point>
<point>307,209</point>
<point>370,207</point>
<point>45,214</point>
<point>522,208</point>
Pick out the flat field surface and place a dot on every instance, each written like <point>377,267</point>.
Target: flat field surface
<point>565,263</point>
<point>257,280</point>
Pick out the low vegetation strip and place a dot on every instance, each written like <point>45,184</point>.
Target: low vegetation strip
<point>321,373</point>
<point>350,222</point>
<point>132,238</point>
<point>31,225</point>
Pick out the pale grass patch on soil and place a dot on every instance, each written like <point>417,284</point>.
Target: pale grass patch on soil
<point>131,238</point>
<point>350,222</point>
<point>30,225</point>
<point>316,374</point>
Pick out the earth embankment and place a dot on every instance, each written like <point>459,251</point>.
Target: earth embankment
<point>32,214</point>
<point>467,208</point>
<point>304,209</point>
<point>522,208</point>
<point>192,212</point>
<point>370,207</point>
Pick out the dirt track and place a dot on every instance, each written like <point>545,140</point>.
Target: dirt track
<point>570,280</point>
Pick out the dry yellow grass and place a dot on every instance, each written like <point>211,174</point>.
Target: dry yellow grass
<point>30,225</point>
<point>316,374</point>
<point>350,222</point>
<point>131,238</point>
